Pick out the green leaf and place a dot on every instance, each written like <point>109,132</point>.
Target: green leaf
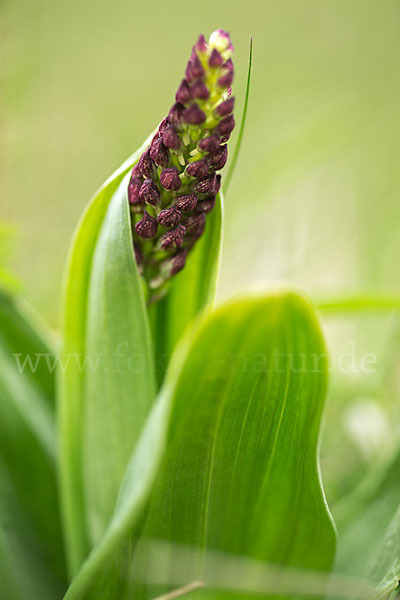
<point>231,446</point>
<point>363,518</point>
<point>191,291</point>
<point>103,308</point>
<point>32,563</point>
<point>385,571</point>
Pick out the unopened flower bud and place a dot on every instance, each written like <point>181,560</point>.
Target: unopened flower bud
<point>133,190</point>
<point>183,95</point>
<point>217,183</point>
<point>146,165</point>
<point>162,126</point>
<point>194,69</point>
<point>217,160</point>
<point>194,115</point>
<point>226,107</point>
<point>215,59</point>
<point>173,238</point>
<point>206,185</point>
<point>175,114</point>
<point>170,179</point>
<point>225,81</point>
<point>159,153</point>
<point>226,126</point>
<point>198,169</point>
<point>169,217</point>
<point>178,262</point>
<point>187,202</point>
<point>221,40</point>
<point>149,192</point>
<point>138,254</point>
<point>171,138</point>
<point>146,227</point>
<point>201,44</point>
<point>200,90</point>
<point>205,206</point>
<point>195,225</point>
<point>209,143</point>
<point>136,171</point>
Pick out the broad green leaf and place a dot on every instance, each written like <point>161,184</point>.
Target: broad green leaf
<point>102,294</point>
<point>231,446</point>
<point>31,552</point>
<point>385,571</point>
<point>192,290</point>
<point>363,518</point>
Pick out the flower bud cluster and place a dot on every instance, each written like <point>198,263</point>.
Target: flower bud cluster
<point>174,185</point>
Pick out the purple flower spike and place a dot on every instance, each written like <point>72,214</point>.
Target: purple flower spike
<point>187,202</point>
<point>209,143</point>
<point>146,164</point>
<point>169,217</point>
<point>136,171</point>
<point>173,238</point>
<point>198,169</point>
<point>170,179</point>
<point>226,80</point>
<point>171,138</point>
<point>217,160</point>
<point>200,90</point>
<point>159,153</point>
<point>215,59</point>
<point>194,115</point>
<point>227,125</point>
<point>149,192</point>
<point>133,190</point>
<point>225,108</point>
<point>206,185</point>
<point>183,95</point>
<point>146,227</point>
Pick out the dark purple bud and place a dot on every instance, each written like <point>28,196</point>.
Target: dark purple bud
<point>195,225</point>
<point>217,184</point>
<point>175,113</point>
<point>134,189</point>
<point>162,126</point>
<point>198,169</point>
<point>169,217</point>
<point>226,79</point>
<point>217,160</point>
<point>149,192</point>
<point>206,185</point>
<point>159,153</point>
<point>146,227</point>
<point>215,59</point>
<point>171,138</point>
<point>209,143</point>
<point>226,107</point>
<point>138,254</point>
<point>194,115</point>
<point>146,164</point>
<point>178,262</point>
<point>194,69</point>
<point>226,126</point>
<point>173,238</point>
<point>201,44</point>
<point>136,171</point>
<point>170,179</point>
<point>200,90</point>
<point>205,206</point>
<point>183,95</point>
<point>187,202</point>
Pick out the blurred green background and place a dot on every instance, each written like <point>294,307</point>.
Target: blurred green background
<point>314,200</point>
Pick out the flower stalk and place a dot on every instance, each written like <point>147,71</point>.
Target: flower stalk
<point>175,183</point>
